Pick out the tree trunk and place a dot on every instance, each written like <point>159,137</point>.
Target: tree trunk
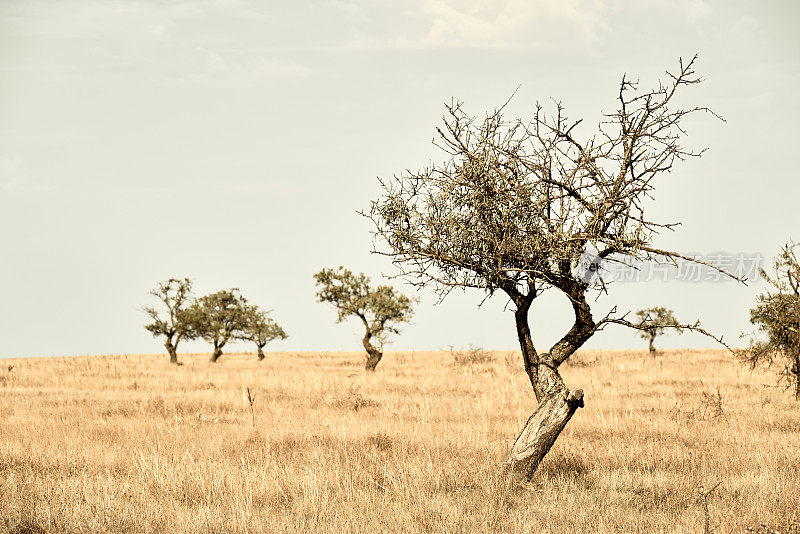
<point>652,347</point>
<point>260,353</point>
<point>373,354</point>
<point>555,409</point>
<point>216,354</point>
<point>541,431</point>
<point>557,403</point>
<point>796,371</point>
<point>172,350</point>
<point>372,359</point>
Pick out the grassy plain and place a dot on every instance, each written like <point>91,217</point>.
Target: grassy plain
<point>132,444</point>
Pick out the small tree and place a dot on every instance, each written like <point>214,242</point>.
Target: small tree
<point>777,314</point>
<point>175,296</point>
<point>655,322</point>
<point>518,206</point>
<point>260,328</point>
<point>381,308</point>
<point>219,318</point>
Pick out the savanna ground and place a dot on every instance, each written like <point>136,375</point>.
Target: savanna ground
<point>132,444</point>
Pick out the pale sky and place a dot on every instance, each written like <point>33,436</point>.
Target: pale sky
<point>232,142</point>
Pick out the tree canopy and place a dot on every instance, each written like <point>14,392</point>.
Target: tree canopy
<point>220,317</point>
<point>260,328</point>
<point>175,296</point>
<point>381,309</point>
<point>656,321</point>
<point>518,204</point>
<point>776,315</point>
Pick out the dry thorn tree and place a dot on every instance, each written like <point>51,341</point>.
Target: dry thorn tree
<point>218,318</point>
<point>175,296</point>
<point>381,308</point>
<point>260,328</point>
<point>654,322</point>
<point>516,206</point>
<point>777,314</point>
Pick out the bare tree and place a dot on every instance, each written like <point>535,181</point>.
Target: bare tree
<point>518,206</point>
<point>655,322</point>
<point>380,308</point>
<point>175,296</point>
<point>777,314</point>
<point>260,328</point>
<point>219,318</point>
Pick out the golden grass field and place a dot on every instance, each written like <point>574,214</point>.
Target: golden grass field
<point>132,444</point>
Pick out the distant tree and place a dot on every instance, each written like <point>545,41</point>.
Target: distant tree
<point>260,328</point>
<point>777,315</point>
<point>219,318</point>
<point>380,308</point>
<point>175,296</point>
<point>655,322</point>
<point>519,206</point>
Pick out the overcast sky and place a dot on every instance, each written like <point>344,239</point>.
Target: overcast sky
<point>233,142</point>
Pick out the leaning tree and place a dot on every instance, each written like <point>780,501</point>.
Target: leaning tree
<point>380,308</point>
<point>777,314</point>
<point>655,322</point>
<point>219,318</point>
<point>518,206</point>
<point>260,328</point>
<point>175,296</point>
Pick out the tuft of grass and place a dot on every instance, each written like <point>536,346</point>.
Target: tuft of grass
<point>471,356</point>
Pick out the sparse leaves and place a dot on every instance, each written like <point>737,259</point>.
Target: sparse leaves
<point>517,204</point>
<point>777,316</point>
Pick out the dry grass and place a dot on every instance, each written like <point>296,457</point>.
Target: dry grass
<point>132,444</point>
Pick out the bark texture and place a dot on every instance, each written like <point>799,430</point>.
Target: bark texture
<point>652,347</point>
<point>541,431</point>
<point>260,353</point>
<point>215,356</point>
